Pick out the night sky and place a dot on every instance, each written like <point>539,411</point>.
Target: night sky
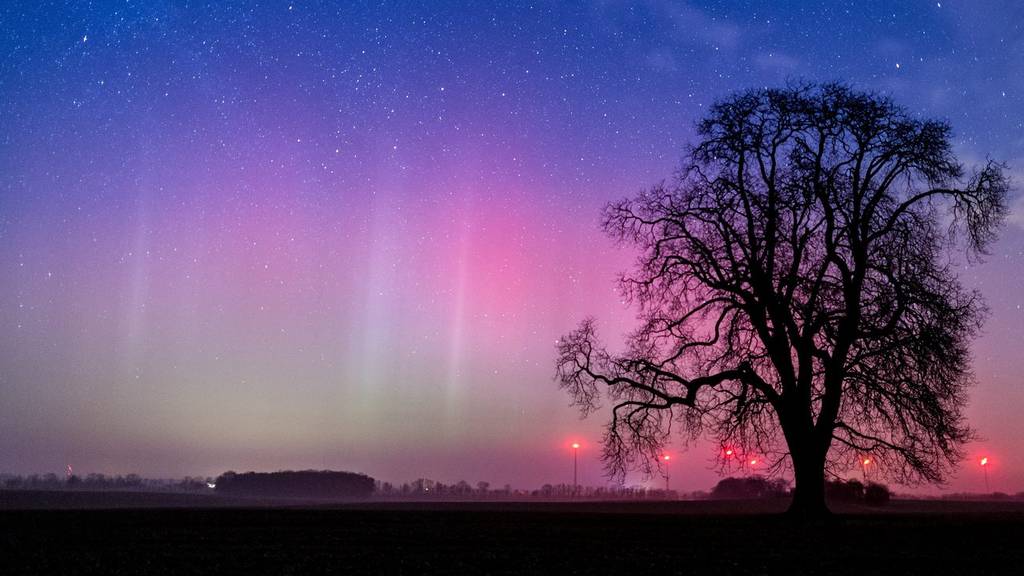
<point>292,235</point>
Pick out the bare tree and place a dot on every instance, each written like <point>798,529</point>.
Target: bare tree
<point>797,294</point>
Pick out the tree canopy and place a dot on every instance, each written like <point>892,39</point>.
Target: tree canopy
<point>796,292</point>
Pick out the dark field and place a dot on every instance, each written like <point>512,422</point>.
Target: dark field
<point>505,538</point>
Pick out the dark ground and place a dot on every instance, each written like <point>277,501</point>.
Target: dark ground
<point>235,537</point>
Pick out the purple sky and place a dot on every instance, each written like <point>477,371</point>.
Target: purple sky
<point>289,235</point>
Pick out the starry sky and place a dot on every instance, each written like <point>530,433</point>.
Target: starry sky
<point>240,235</point>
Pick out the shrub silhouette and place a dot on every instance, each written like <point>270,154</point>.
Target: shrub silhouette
<point>876,494</point>
<point>302,484</point>
<point>844,490</point>
<point>749,487</point>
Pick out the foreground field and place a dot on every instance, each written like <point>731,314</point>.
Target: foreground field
<point>504,538</point>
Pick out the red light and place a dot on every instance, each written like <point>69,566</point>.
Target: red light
<point>867,461</point>
<point>984,461</point>
<point>666,457</point>
<point>753,462</point>
<point>575,445</point>
<point>728,452</point>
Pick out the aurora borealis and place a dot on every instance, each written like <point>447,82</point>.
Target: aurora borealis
<point>292,235</point>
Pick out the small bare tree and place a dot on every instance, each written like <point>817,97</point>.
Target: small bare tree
<point>796,293</point>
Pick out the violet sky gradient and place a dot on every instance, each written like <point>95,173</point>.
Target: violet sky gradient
<point>299,234</point>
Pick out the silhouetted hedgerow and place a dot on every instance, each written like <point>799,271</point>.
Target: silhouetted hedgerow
<point>750,487</point>
<point>302,484</point>
<point>876,495</point>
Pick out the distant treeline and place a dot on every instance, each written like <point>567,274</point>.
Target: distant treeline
<point>321,484</point>
<point>102,482</point>
<point>981,496</point>
<point>348,485</point>
<point>426,489</point>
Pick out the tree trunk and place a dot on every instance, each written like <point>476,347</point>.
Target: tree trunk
<point>809,492</point>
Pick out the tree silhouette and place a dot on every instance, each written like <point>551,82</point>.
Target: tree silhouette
<point>796,293</point>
